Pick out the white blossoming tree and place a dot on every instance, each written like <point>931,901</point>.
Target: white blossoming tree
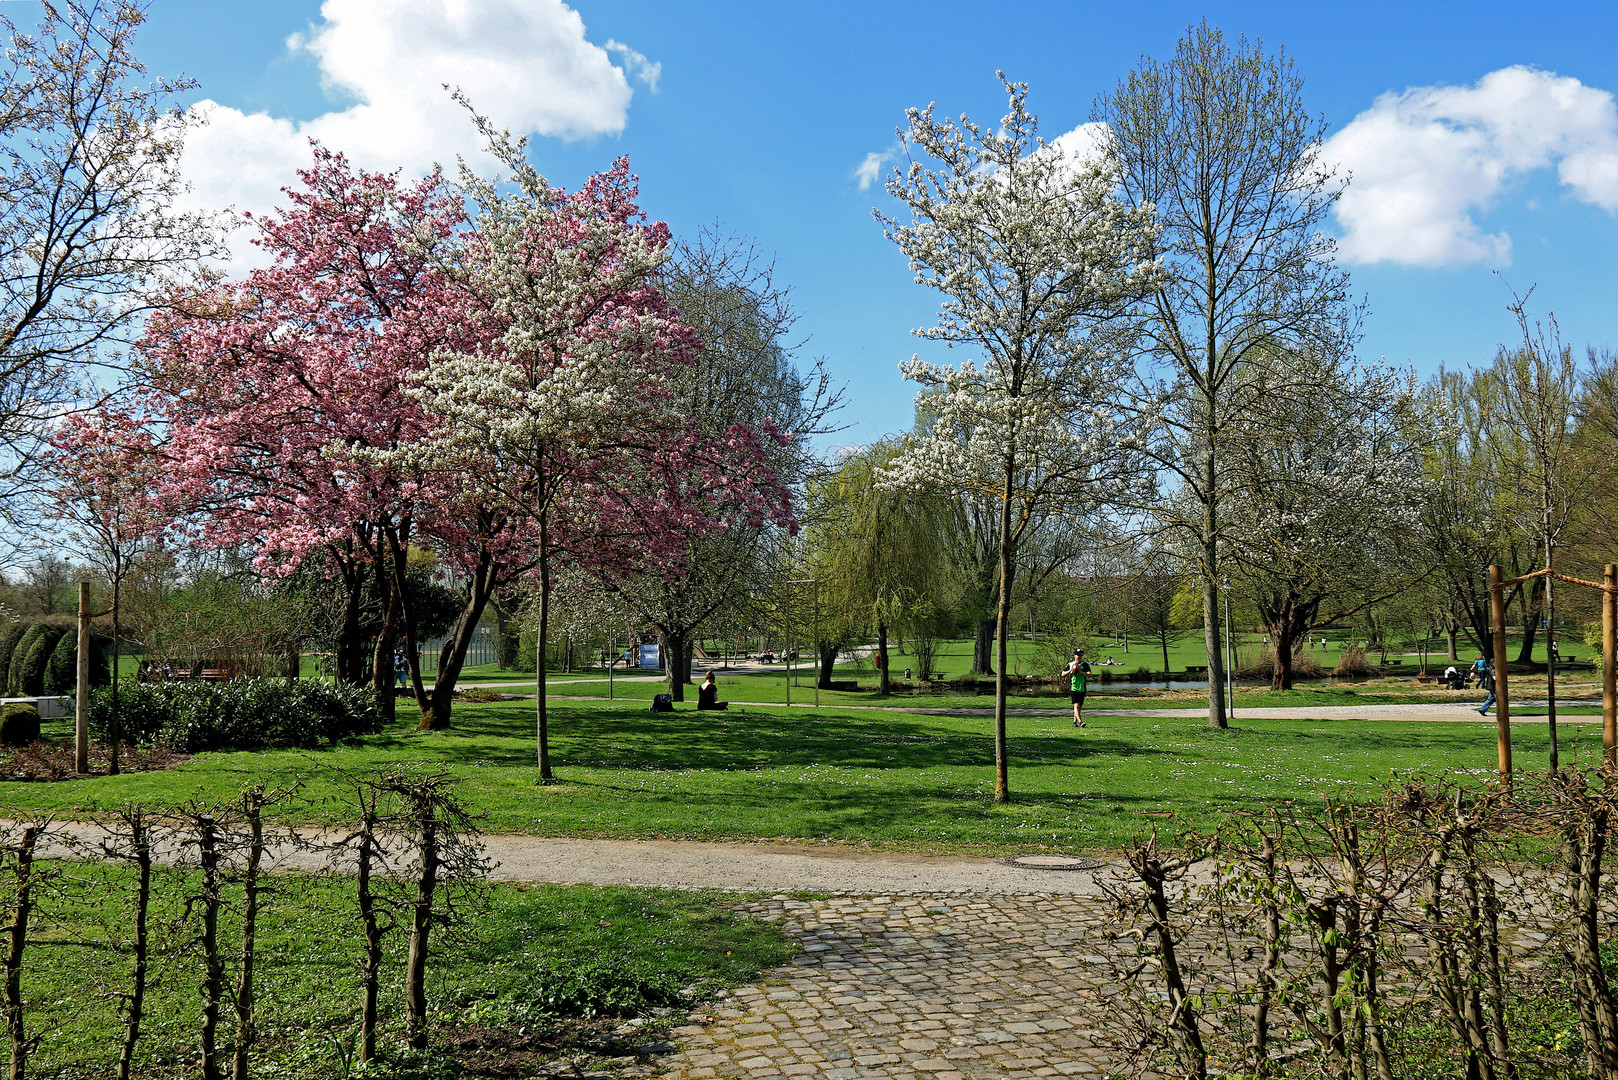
<point>1038,265</point>
<point>1328,484</point>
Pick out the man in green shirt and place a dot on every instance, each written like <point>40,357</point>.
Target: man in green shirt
<point>1078,681</point>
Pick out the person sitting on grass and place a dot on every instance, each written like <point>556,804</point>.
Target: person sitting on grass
<point>1078,676</point>
<point>708,696</point>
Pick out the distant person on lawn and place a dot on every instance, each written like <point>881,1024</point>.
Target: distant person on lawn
<point>1078,682</point>
<point>708,695</point>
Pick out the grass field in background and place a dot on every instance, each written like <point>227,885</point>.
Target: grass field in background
<point>889,779</point>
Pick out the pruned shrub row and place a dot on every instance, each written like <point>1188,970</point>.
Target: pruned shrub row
<point>42,658</point>
<point>245,714</point>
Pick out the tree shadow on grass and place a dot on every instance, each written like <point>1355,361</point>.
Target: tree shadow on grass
<point>726,741</point>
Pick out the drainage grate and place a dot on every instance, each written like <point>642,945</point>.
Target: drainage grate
<point>1053,862</point>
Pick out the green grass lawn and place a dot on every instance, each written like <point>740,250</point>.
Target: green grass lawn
<point>530,966</point>
<point>888,779</point>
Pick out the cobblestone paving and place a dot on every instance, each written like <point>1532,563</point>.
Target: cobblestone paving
<point>914,987</point>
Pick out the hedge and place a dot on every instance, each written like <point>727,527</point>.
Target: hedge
<point>62,672</point>
<point>9,637</point>
<point>19,657</point>
<point>244,714</point>
<point>32,681</point>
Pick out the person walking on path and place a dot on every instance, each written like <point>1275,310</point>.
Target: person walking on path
<point>1078,676</point>
<point>1485,670</point>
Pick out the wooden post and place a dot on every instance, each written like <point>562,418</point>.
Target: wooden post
<point>1502,703</point>
<point>81,705</point>
<point>1609,667</point>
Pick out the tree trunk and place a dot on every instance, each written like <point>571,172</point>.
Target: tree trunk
<point>828,663</point>
<point>539,647</point>
<point>23,899</point>
<point>213,973</point>
<point>246,1029</point>
<point>884,685</point>
<point>348,658</point>
<point>421,923</point>
<point>1530,622</point>
<point>1214,641</point>
<point>676,649</point>
<point>1452,634</point>
<point>140,841</point>
<point>1211,634</point>
<point>1002,616</point>
<point>983,647</point>
<point>371,962</point>
<point>386,641</point>
<point>293,663</point>
<point>436,706</point>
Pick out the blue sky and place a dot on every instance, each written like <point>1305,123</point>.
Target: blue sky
<point>757,115</point>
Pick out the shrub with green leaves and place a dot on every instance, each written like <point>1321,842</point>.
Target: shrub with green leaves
<point>19,657</point>
<point>19,725</point>
<point>8,645</point>
<point>244,714</point>
<point>31,682</point>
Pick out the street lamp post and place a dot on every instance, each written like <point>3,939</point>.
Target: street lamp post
<point>815,632</point>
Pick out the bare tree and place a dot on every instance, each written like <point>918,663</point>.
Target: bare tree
<point>1532,394</point>
<point>744,373</point>
<point>89,236</point>
<point>1217,140</point>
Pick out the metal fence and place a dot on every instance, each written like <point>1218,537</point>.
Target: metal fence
<point>485,648</point>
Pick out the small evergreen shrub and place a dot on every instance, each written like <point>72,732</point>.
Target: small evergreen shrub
<point>244,714</point>
<point>19,725</point>
<point>62,670</point>
<point>19,656</point>
<point>8,645</point>
<point>31,683</point>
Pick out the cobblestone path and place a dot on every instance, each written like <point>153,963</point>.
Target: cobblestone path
<point>914,987</point>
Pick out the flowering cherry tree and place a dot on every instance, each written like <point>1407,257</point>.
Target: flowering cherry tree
<point>556,412</point>
<point>106,487</point>
<point>269,388</point>
<point>1036,263</point>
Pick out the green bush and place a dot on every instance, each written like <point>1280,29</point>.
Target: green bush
<point>244,714</point>
<point>19,656</point>
<point>8,645</point>
<point>19,725</point>
<point>62,671</point>
<point>31,683</point>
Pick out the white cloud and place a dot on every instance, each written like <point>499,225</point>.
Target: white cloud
<point>870,170</point>
<point>1426,161</point>
<point>1083,146</point>
<point>526,63</point>
<point>647,71</point>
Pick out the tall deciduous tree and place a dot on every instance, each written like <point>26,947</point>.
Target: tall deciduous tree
<point>560,415</point>
<point>742,372</point>
<point>1532,395</point>
<point>1329,486</point>
<point>1037,263</point>
<point>874,553</point>
<point>276,392</point>
<point>105,479</point>
<point>89,237</point>
<point>1217,140</point>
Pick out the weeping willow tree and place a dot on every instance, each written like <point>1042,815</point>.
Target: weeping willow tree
<point>877,553</point>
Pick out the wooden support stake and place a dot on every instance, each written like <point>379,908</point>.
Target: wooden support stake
<point>81,705</point>
<point>1609,667</point>
<point>1502,703</point>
